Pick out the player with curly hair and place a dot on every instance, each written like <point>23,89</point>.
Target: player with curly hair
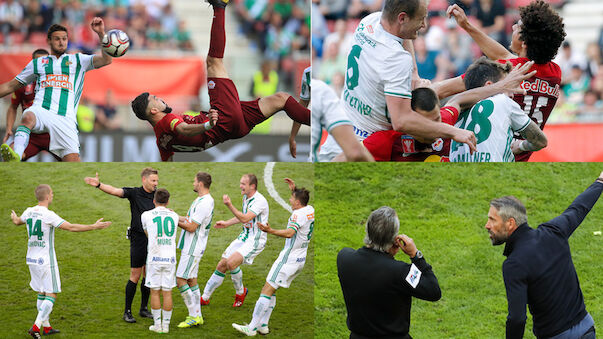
<point>536,36</point>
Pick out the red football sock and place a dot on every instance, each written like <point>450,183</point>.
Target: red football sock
<point>297,112</point>
<point>217,40</point>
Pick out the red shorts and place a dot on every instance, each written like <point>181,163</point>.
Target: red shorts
<point>237,117</point>
<point>37,144</point>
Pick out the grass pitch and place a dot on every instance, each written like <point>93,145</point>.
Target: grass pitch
<point>444,209</point>
<point>95,265</point>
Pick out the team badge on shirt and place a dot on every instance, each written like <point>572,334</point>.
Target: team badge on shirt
<point>211,84</point>
<point>414,276</point>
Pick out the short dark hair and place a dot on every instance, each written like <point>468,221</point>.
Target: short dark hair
<point>162,196</point>
<point>148,171</point>
<point>253,180</point>
<point>423,98</point>
<point>510,207</point>
<point>484,69</point>
<point>42,192</point>
<point>39,51</point>
<point>301,194</point>
<point>542,30</point>
<point>55,28</point>
<point>205,178</point>
<point>392,8</point>
<point>140,104</point>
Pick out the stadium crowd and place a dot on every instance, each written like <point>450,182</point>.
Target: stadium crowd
<point>443,50</point>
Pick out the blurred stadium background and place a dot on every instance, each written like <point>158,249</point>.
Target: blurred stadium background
<point>444,50</point>
<point>267,48</point>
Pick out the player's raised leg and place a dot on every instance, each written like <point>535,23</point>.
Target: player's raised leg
<point>214,281</point>
<point>217,41</point>
<point>283,101</point>
<point>28,121</point>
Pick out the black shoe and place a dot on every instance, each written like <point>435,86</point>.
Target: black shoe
<point>33,333</point>
<point>218,3</point>
<point>128,317</point>
<point>51,331</point>
<point>145,313</point>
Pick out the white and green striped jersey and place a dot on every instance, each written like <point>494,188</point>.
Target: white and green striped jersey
<point>327,113</point>
<point>378,65</point>
<point>40,223</point>
<point>305,93</point>
<point>160,224</point>
<point>201,213</point>
<point>59,82</point>
<point>493,120</point>
<point>296,247</point>
<point>259,206</point>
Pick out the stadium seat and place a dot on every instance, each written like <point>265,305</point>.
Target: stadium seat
<point>437,5</point>
<point>17,38</point>
<point>38,39</point>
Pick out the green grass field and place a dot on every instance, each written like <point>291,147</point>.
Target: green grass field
<point>95,265</point>
<point>444,209</point>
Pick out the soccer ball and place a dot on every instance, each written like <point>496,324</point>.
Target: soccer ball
<point>115,43</point>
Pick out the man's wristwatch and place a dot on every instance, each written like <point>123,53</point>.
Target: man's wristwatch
<point>98,186</point>
<point>418,255</point>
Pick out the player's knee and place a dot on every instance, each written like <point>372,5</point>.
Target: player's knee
<point>28,120</point>
<point>231,265</point>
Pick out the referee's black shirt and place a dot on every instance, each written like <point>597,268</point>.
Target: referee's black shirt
<point>378,293</point>
<point>539,272</point>
<point>140,202</point>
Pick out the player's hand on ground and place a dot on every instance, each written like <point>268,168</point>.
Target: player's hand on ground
<point>100,224</point>
<point>293,147</point>
<point>459,15</point>
<point>466,137</point>
<point>512,82</point>
<point>213,116</point>
<point>291,183</point>
<point>515,146</point>
<point>226,200</point>
<point>7,135</point>
<point>407,245</point>
<point>220,224</point>
<point>92,181</point>
<point>14,217</point>
<point>264,228</point>
<point>98,26</point>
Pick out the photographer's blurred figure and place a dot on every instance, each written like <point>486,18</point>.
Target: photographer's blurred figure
<point>376,287</point>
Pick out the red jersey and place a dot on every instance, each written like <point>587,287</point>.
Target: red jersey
<point>24,96</point>
<point>390,145</point>
<point>169,141</point>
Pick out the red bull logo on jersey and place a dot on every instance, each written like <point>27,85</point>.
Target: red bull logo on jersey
<point>541,86</point>
<point>57,81</point>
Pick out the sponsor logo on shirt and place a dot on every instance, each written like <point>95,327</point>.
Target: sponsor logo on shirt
<point>166,260</point>
<point>541,86</point>
<point>437,145</point>
<point>408,144</point>
<point>57,81</point>
<point>414,276</point>
<point>300,259</point>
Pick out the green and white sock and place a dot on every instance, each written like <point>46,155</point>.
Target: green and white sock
<point>261,306</point>
<point>197,299</point>
<point>167,316</point>
<point>237,280</point>
<point>268,313</point>
<point>188,297</point>
<point>21,140</point>
<point>156,317</point>
<point>213,283</point>
<point>45,310</point>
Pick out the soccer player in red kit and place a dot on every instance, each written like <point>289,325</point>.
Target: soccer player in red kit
<point>537,36</point>
<point>235,119</point>
<point>24,97</point>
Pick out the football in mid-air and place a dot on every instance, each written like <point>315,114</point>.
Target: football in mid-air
<point>115,43</point>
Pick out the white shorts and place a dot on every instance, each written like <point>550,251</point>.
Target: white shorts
<point>63,132</point>
<point>329,150</point>
<point>282,274</point>
<point>245,248</point>
<point>188,267</point>
<point>160,277</point>
<point>45,278</point>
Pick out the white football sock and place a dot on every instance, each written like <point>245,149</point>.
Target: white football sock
<point>261,306</point>
<point>197,300</point>
<point>44,312</point>
<point>213,283</point>
<point>21,140</point>
<point>237,280</point>
<point>188,297</point>
<point>268,313</point>
<point>156,317</point>
<point>167,316</point>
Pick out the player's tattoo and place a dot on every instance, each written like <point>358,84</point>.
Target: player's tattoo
<point>535,138</point>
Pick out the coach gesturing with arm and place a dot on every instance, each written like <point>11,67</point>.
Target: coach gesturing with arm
<point>378,289</point>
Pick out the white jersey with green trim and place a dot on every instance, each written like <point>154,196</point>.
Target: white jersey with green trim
<point>259,206</point>
<point>305,92</point>
<point>160,224</point>
<point>378,65</point>
<point>40,223</point>
<point>296,247</point>
<point>493,120</point>
<point>201,213</point>
<point>59,82</point>
<point>327,113</point>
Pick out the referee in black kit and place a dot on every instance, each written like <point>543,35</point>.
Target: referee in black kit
<point>539,270</point>
<point>378,289</point>
<point>141,200</point>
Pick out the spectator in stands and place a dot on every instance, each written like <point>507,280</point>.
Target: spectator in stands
<point>331,9</point>
<point>75,12</point>
<point>278,39</point>
<point>563,112</point>
<point>360,8</point>
<point>597,81</point>
<point>106,114</point>
<point>183,37</point>
<point>340,36</point>
<point>566,59</point>
<point>169,21</point>
<point>33,18</point>
<point>591,110</point>
<point>578,84</point>
<point>265,83</point>
<point>254,17</point>
<point>491,15</point>
<point>430,64</point>
<point>11,15</point>
<point>85,116</point>
<point>458,47</point>
<point>319,28</point>
<point>593,59</point>
<point>332,63</point>
<point>58,12</point>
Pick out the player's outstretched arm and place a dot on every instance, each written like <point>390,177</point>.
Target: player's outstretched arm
<point>290,183</point>
<point>224,224</point>
<point>9,87</point>
<point>15,218</point>
<point>286,233</point>
<point>99,224</point>
<point>195,129</point>
<point>535,139</point>
<point>405,120</point>
<point>95,181</point>
<point>491,48</point>
<point>98,26</point>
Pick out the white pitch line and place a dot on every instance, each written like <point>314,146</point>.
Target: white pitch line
<point>270,186</point>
